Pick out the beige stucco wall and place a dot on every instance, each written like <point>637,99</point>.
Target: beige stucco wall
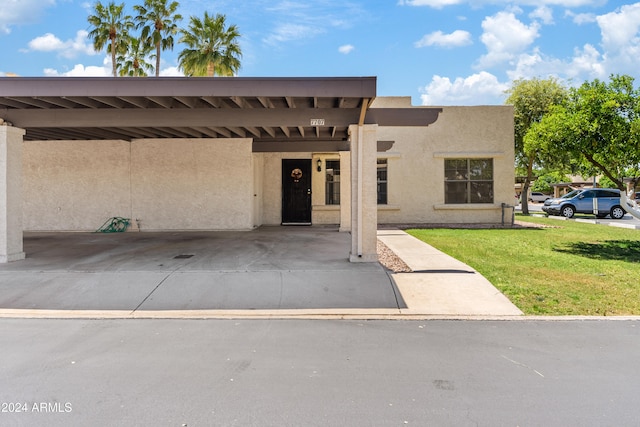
<point>192,184</point>
<point>11,152</point>
<point>416,164</point>
<point>211,184</point>
<point>75,185</point>
<point>168,184</point>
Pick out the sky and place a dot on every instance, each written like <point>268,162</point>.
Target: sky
<point>438,52</point>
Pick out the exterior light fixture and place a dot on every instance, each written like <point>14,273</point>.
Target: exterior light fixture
<point>319,163</point>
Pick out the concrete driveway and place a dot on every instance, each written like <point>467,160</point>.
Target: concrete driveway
<point>267,272</point>
<point>271,268</point>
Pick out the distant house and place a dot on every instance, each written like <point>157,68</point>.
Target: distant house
<point>240,153</point>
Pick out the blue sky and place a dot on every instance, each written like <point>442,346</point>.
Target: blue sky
<point>439,52</point>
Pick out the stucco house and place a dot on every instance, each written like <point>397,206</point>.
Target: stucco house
<point>239,153</point>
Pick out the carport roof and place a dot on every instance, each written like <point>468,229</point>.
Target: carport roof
<point>268,109</point>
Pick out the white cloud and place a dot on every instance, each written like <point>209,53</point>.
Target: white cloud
<point>436,4</point>
<point>544,14</point>
<point>80,70</point>
<point>292,31</point>
<point>620,28</point>
<point>439,4</point>
<point>67,49</point>
<point>478,89</point>
<point>582,18</point>
<point>505,37</point>
<point>171,72</point>
<point>21,12</point>
<point>586,63</point>
<point>617,52</point>
<point>438,38</point>
<point>298,20</point>
<point>346,49</point>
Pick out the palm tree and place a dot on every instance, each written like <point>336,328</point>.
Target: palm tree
<point>159,23</point>
<point>133,61</point>
<point>213,47</point>
<point>110,28</point>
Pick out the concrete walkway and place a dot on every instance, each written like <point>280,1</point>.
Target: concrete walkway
<point>272,272</point>
<point>440,284</point>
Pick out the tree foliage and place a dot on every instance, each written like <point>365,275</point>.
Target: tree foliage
<point>545,180</point>
<point>159,23</point>
<point>597,127</point>
<point>212,47</point>
<point>531,100</point>
<point>133,61</point>
<point>111,29</point>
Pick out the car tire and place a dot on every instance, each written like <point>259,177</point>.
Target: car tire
<point>617,212</point>
<point>567,211</point>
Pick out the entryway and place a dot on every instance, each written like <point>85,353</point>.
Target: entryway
<point>296,191</point>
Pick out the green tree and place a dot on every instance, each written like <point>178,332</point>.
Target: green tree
<point>599,126</point>
<point>531,100</point>
<point>110,28</point>
<point>212,47</point>
<point>133,61</point>
<point>545,180</point>
<point>158,21</point>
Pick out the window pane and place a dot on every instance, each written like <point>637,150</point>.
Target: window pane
<point>455,192</point>
<point>468,181</point>
<point>481,192</point>
<point>332,189</point>
<point>481,169</point>
<point>382,181</point>
<point>455,169</point>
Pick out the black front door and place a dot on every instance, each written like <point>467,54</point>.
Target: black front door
<point>296,191</point>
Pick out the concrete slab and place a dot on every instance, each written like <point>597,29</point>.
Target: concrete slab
<point>418,255</point>
<point>270,272</point>
<point>467,294</point>
<point>270,290</point>
<point>272,268</point>
<point>440,284</point>
<point>76,290</point>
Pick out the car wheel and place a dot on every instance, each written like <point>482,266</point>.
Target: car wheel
<point>567,211</point>
<point>617,212</point>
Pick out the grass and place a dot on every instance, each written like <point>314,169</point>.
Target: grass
<point>569,268</point>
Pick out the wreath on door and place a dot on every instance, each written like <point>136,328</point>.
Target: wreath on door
<point>296,174</point>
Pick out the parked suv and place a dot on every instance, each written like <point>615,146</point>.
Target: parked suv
<point>538,197</point>
<point>582,201</point>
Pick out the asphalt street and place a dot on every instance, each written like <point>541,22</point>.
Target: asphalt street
<point>319,373</point>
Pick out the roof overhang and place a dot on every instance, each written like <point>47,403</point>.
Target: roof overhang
<point>268,110</point>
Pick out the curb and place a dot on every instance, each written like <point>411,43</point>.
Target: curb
<point>306,314</point>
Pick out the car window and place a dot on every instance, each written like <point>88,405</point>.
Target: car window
<point>587,194</point>
<point>571,195</point>
<point>608,193</point>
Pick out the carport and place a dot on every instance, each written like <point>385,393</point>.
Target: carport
<point>266,115</point>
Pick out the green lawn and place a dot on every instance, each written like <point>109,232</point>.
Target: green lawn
<point>570,269</point>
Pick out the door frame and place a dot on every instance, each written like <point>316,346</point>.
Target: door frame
<point>296,192</point>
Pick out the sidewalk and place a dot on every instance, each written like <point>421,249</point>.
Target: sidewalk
<point>440,284</point>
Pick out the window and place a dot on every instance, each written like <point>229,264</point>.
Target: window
<point>382,181</point>
<point>468,181</point>
<point>332,182</point>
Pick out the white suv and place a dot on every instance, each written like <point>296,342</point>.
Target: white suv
<point>538,197</point>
